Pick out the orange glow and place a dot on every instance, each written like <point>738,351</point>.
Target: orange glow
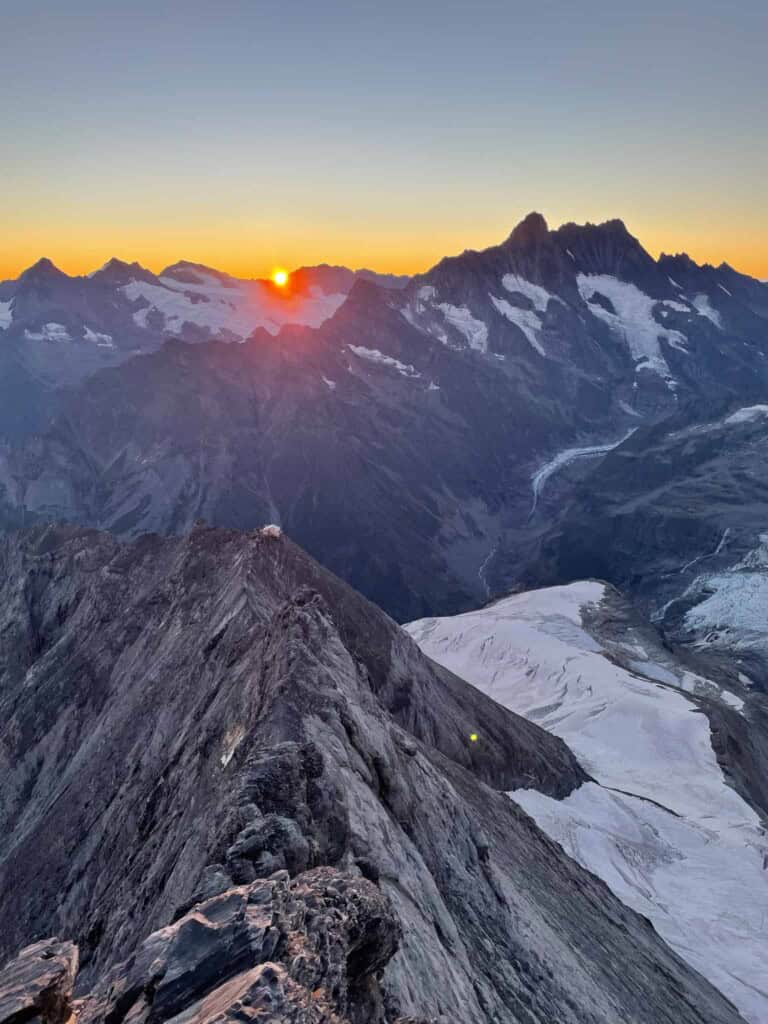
<point>391,247</point>
<point>280,278</point>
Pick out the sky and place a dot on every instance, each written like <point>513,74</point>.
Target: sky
<point>248,134</point>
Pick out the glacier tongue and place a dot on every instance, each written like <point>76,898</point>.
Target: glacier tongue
<point>659,824</point>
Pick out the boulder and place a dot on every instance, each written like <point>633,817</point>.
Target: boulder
<point>36,986</point>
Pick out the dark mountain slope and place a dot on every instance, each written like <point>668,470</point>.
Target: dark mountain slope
<point>184,715</point>
<point>676,515</point>
<point>421,440</point>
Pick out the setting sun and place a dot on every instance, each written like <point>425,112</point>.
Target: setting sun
<point>280,277</point>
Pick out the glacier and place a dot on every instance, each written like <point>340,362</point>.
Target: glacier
<point>659,823</point>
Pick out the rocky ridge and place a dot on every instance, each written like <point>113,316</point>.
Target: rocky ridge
<point>196,728</point>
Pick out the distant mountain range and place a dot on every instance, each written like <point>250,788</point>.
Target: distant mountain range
<point>435,441</point>
<point>420,441</point>
<point>123,306</point>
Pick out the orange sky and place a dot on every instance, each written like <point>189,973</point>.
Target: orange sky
<point>399,248</point>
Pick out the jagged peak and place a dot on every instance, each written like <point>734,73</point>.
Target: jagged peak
<point>120,271</point>
<point>43,269</point>
<point>113,264</point>
<point>681,258</point>
<point>532,229</point>
<point>613,226</point>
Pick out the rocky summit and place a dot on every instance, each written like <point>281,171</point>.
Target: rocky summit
<point>243,793</point>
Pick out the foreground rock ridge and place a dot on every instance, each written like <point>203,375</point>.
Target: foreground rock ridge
<point>244,794</point>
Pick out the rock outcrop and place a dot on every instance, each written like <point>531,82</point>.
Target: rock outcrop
<point>190,722</point>
<point>36,986</point>
<point>306,950</point>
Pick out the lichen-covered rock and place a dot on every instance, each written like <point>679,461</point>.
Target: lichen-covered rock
<point>37,984</point>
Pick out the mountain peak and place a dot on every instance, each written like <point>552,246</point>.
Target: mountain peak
<point>188,272</point>
<point>113,263</point>
<point>531,230</point>
<point>116,272</point>
<point>44,269</point>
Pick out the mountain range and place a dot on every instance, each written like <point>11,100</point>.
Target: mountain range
<point>236,786</point>
<point>420,441</point>
<point>57,329</point>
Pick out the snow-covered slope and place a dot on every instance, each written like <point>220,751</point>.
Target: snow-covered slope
<point>138,308</point>
<point>225,304</point>
<point>659,823</point>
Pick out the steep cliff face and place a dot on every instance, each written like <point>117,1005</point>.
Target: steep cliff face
<point>184,717</point>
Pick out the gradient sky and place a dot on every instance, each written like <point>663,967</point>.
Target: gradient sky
<point>247,134</point>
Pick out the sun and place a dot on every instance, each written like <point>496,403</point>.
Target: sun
<point>280,278</point>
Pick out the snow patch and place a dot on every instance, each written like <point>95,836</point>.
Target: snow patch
<point>6,314</point>
<point>49,332</point>
<point>733,609</point>
<point>527,320</point>
<point>372,355</point>
<point>633,320</point>
<point>705,308</point>
<point>701,884</point>
<point>539,296</point>
<point>460,317</point>
<point>628,408</point>
<point>232,741</point>
<point>271,530</point>
<point>748,414</point>
<point>97,338</point>
<point>331,384</point>
<point>237,308</point>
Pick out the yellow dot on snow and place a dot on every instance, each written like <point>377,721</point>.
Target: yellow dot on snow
<point>473,737</point>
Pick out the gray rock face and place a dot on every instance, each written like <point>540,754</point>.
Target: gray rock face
<point>183,716</point>
<point>307,951</point>
<point>36,986</point>
<point>304,951</point>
